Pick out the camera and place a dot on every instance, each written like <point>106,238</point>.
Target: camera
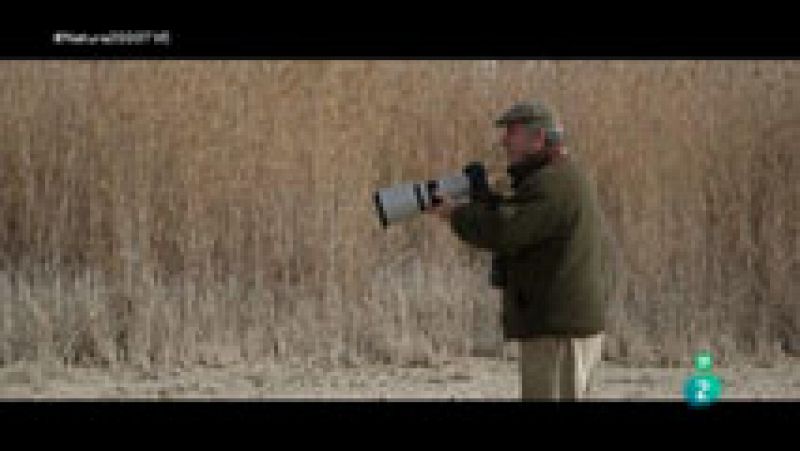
<point>406,200</point>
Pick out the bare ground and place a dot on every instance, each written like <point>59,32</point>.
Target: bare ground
<point>469,378</point>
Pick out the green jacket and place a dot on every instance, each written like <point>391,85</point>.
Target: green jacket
<point>551,242</point>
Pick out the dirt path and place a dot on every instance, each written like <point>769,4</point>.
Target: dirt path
<point>473,378</point>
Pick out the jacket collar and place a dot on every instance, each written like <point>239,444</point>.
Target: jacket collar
<point>519,171</point>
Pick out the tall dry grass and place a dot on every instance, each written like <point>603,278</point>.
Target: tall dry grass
<point>185,212</point>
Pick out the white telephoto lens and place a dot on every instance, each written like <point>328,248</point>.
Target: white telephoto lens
<point>455,186</point>
<point>401,201</point>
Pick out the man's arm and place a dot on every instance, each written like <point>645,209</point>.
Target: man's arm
<point>510,227</point>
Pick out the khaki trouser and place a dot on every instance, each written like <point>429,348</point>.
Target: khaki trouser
<point>558,368</point>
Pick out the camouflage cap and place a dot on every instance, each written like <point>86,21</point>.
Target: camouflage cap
<point>533,113</point>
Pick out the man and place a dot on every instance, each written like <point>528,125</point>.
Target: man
<point>547,236</point>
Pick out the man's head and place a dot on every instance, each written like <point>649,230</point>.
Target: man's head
<point>529,128</point>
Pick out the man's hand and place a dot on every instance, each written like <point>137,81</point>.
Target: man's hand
<point>444,209</point>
